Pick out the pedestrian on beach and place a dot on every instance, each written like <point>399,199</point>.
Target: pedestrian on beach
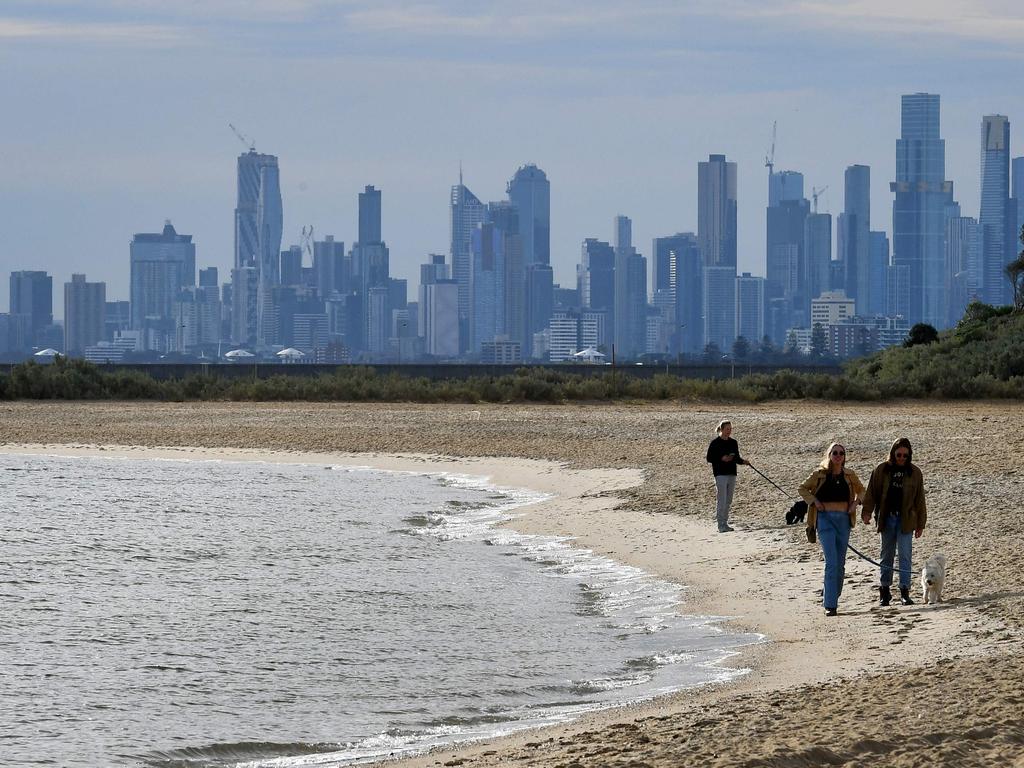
<point>723,456</point>
<point>896,497</point>
<point>832,493</point>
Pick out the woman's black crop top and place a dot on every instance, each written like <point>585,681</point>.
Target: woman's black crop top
<point>835,488</point>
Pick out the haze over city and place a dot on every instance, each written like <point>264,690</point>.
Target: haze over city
<point>117,115</point>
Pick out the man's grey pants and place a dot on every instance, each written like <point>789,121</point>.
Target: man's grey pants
<point>725,484</point>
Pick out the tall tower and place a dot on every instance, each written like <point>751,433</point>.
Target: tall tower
<point>997,219</point>
<point>31,303</point>
<point>371,273</point>
<point>716,211</point>
<point>716,235</point>
<point>530,192</point>
<point>466,214</point>
<point>923,202</point>
<point>854,229</point>
<point>1017,189</point>
<point>630,292</point>
<point>259,218</point>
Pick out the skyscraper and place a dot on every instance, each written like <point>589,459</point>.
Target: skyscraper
<point>686,268</point>
<point>505,217</point>
<point>750,307</point>
<point>530,192</point>
<point>371,273</point>
<point>719,301</point>
<point>161,266</point>
<point>1017,182</point>
<point>716,236</point>
<point>31,303</point>
<point>785,261</point>
<point>329,267</point>
<point>923,201</point>
<point>466,213</point>
<point>630,293</point>
<point>854,226</point>
<point>879,260</point>
<point>487,286</point>
<point>818,255</point>
<point>259,218</point>
<point>997,219</point>
<point>785,185</point>
<point>716,211</point>
<point>84,314</point>
<point>661,258</point>
<point>964,239</point>
<point>438,308</point>
<point>595,275</point>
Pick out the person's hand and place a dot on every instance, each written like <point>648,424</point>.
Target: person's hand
<point>866,517</point>
<point>727,457</point>
<point>918,532</point>
<point>818,505</point>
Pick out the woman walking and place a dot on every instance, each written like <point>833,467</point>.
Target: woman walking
<point>832,493</point>
<point>896,496</point>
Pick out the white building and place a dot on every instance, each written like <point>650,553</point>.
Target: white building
<point>831,308</point>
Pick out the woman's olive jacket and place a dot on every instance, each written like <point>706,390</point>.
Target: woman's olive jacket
<point>813,484</point>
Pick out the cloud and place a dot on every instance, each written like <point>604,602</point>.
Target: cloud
<point>972,20</point>
<point>93,32</point>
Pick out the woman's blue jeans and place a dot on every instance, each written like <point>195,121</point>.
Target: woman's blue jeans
<point>894,539</point>
<point>834,535</point>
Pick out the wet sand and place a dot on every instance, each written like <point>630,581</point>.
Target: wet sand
<point>897,686</point>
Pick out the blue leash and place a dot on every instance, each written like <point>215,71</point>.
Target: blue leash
<point>848,545</point>
<point>865,557</point>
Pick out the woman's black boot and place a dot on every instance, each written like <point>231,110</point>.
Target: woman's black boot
<point>905,596</point>
<point>884,596</point>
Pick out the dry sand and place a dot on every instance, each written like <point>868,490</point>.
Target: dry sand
<point>896,686</point>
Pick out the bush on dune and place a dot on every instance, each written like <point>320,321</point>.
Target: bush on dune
<point>982,357</point>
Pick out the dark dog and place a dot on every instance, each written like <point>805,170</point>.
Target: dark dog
<point>796,513</point>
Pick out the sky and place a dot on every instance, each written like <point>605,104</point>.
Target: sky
<point>114,114</point>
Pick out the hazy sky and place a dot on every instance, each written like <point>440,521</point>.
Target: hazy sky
<point>115,113</point>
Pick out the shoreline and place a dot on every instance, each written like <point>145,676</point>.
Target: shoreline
<point>965,656</point>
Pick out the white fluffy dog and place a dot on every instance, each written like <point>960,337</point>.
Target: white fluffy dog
<point>933,576</point>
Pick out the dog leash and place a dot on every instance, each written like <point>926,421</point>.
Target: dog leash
<point>848,545</point>
<point>865,557</point>
<point>762,474</point>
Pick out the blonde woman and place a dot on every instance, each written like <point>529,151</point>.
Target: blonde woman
<point>832,493</point>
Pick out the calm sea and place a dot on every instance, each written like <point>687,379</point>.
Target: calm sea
<point>207,613</point>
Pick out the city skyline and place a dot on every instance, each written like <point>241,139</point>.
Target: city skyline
<point>621,131</point>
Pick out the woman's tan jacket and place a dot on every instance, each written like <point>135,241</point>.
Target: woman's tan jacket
<point>813,483</point>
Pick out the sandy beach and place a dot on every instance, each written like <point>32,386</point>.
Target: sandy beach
<point>895,686</point>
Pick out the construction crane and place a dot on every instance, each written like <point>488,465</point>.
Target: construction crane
<point>815,193</point>
<point>769,159</point>
<point>250,144</point>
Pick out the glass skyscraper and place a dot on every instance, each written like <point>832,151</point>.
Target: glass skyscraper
<point>161,266</point>
<point>923,201</point>
<point>530,192</point>
<point>466,213</point>
<point>716,235</point>
<point>259,219</point>
<point>854,226</point>
<point>716,211</point>
<point>997,219</point>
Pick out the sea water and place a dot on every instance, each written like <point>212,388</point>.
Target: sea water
<point>214,613</point>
